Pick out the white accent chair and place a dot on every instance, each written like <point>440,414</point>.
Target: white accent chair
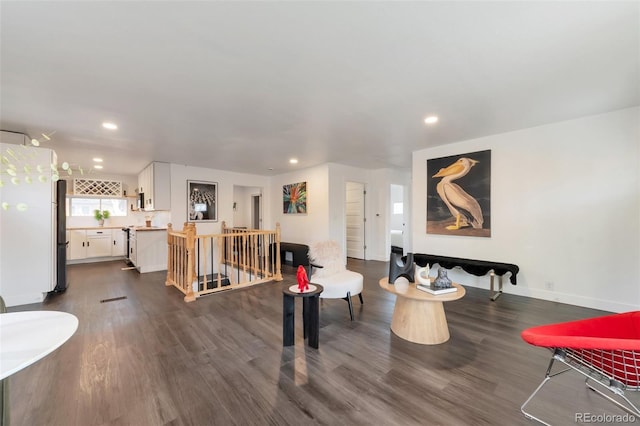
<point>327,268</point>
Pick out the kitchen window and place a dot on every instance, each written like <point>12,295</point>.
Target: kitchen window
<point>85,206</point>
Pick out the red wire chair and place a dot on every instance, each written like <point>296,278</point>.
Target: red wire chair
<point>606,350</point>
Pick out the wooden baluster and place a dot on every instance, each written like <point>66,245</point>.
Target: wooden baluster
<point>190,230</point>
<point>169,256</point>
<point>253,245</point>
<point>245,257</point>
<point>203,256</point>
<point>222,242</point>
<point>278,276</point>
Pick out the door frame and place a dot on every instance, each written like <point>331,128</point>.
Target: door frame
<point>363,186</point>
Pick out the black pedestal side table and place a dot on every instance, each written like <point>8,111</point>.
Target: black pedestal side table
<point>310,314</point>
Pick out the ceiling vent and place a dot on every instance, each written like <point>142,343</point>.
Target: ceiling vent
<point>103,188</point>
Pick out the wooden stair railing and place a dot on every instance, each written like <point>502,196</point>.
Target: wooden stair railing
<point>236,258</point>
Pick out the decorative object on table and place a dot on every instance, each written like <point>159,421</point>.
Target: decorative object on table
<point>442,281</point>
<point>469,207</point>
<point>422,275</point>
<point>294,198</point>
<point>398,268</point>
<point>441,285</point>
<point>303,280</point>
<point>202,201</point>
<point>101,216</point>
<point>431,288</point>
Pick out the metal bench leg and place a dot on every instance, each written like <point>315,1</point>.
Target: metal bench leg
<point>494,294</point>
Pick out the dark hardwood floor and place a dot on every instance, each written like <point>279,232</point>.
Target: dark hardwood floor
<point>152,359</point>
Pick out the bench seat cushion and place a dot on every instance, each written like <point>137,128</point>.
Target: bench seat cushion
<point>337,285</point>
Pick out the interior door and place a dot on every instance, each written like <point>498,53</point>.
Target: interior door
<point>355,220</point>
<point>256,211</point>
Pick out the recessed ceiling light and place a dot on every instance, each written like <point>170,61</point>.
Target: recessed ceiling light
<point>97,166</point>
<point>432,119</point>
<point>97,160</point>
<point>110,126</point>
<point>293,161</point>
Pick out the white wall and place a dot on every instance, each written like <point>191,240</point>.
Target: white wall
<point>226,181</point>
<point>314,225</point>
<point>242,196</point>
<point>565,208</point>
<point>377,205</point>
<point>396,196</point>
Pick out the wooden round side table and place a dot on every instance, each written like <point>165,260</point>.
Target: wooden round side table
<point>419,316</point>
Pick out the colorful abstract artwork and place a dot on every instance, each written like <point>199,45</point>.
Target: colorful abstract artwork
<point>294,198</point>
<point>459,195</point>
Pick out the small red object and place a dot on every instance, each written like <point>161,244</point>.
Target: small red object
<point>303,281</point>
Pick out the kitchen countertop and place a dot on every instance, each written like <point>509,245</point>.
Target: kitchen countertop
<point>135,228</point>
<point>153,228</point>
<point>94,227</point>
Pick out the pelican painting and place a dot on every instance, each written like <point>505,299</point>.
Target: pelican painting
<point>452,196</point>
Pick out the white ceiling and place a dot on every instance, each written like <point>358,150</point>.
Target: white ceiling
<point>245,85</point>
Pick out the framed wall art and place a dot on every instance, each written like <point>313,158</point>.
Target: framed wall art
<point>202,201</point>
<point>294,198</point>
<point>459,195</point>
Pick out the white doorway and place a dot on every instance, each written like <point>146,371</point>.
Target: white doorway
<point>397,219</point>
<point>355,219</point>
<point>256,211</point>
<point>247,207</point>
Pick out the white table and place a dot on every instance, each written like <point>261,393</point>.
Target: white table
<point>26,337</point>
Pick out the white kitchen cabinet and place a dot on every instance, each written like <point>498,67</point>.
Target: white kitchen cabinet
<point>99,243</point>
<point>133,253</point>
<point>77,244</point>
<point>118,243</point>
<point>94,243</point>
<point>155,183</point>
<point>144,182</point>
<point>147,246</point>
<point>151,250</point>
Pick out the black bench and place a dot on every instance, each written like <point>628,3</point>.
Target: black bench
<point>299,253</point>
<point>471,266</point>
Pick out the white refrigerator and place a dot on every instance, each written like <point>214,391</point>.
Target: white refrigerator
<point>27,224</point>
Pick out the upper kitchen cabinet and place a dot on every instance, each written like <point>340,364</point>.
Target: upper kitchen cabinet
<point>155,183</point>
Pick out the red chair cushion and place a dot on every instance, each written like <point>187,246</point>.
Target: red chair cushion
<point>608,344</point>
<point>617,331</point>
